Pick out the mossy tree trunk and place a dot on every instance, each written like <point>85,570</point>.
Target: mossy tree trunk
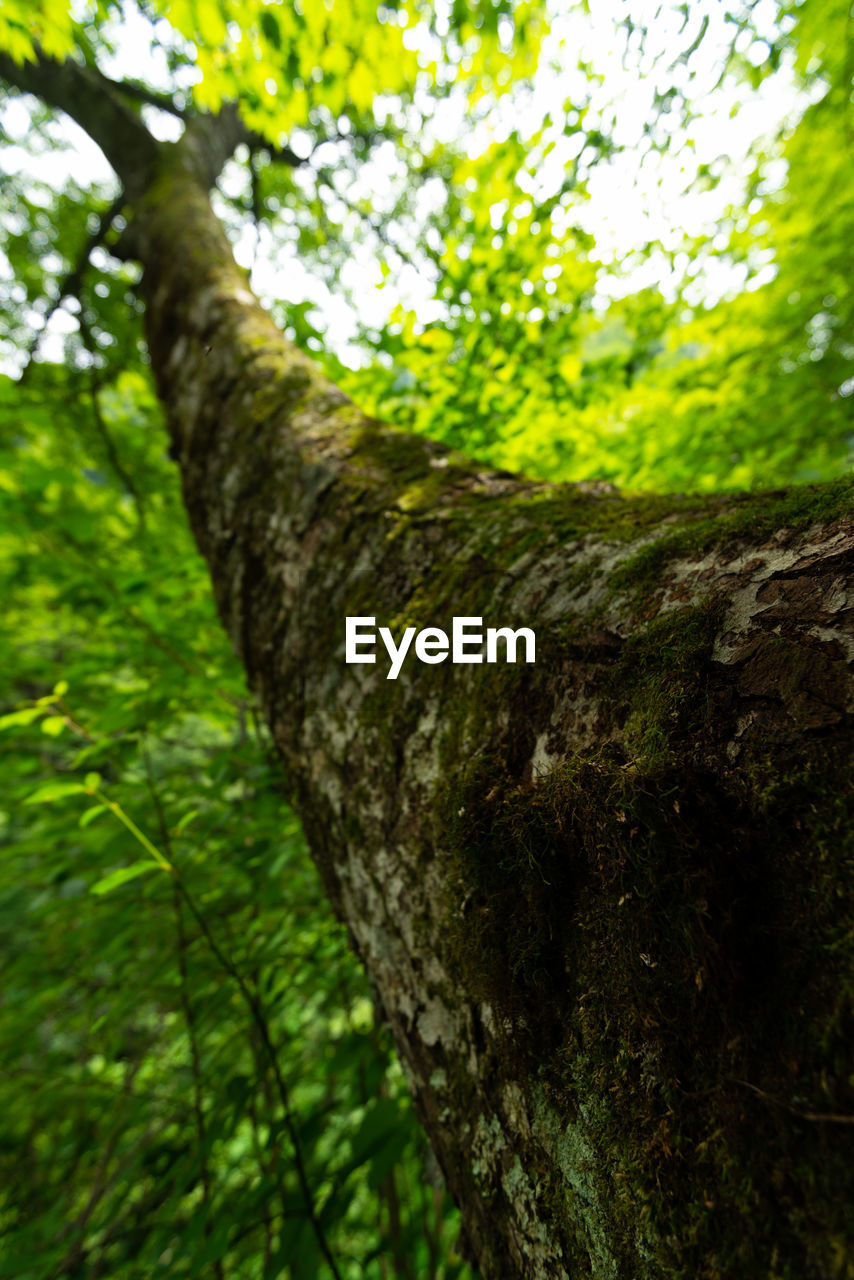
<point>605,900</point>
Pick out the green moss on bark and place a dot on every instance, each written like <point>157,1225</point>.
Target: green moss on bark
<point>759,515</point>
<point>651,942</point>
<point>670,953</point>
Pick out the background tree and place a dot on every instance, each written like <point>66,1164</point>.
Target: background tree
<point>604,906</point>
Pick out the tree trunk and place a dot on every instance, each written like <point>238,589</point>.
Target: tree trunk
<point>604,899</point>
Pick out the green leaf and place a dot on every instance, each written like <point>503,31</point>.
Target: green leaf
<point>26,716</point>
<point>91,814</point>
<point>121,876</point>
<point>53,725</point>
<point>270,27</point>
<point>293,1239</point>
<point>384,1160</point>
<point>380,1124</point>
<point>57,790</point>
<point>186,820</point>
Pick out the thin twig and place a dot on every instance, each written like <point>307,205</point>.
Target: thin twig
<point>817,1117</point>
<point>325,177</point>
<point>259,1018</point>
<point>101,427</point>
<point>260,1021</point>
<point>150,97</point>
<point>70,284</point>
<point>187,1009</point>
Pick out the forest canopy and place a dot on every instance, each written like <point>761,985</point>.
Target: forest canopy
<point>457,209</point>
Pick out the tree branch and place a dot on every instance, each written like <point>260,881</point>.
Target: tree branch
<point>71,283</point>
<point>256,143</point>
<point>138,92</point>
<point>93,102</point>
<point>98,105</point>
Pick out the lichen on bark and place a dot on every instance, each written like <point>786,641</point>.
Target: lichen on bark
<point>605,901</point>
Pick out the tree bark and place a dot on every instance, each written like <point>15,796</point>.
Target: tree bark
<point>604,900</point>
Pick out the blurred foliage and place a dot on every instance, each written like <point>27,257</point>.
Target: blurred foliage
<point>190,1069</point>
<point>145,1125</point>
<point>524,367</point>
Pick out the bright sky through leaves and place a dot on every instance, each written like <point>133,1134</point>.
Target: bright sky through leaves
<point>640,196</point>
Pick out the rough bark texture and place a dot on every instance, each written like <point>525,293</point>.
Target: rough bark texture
<point>606,900</point>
